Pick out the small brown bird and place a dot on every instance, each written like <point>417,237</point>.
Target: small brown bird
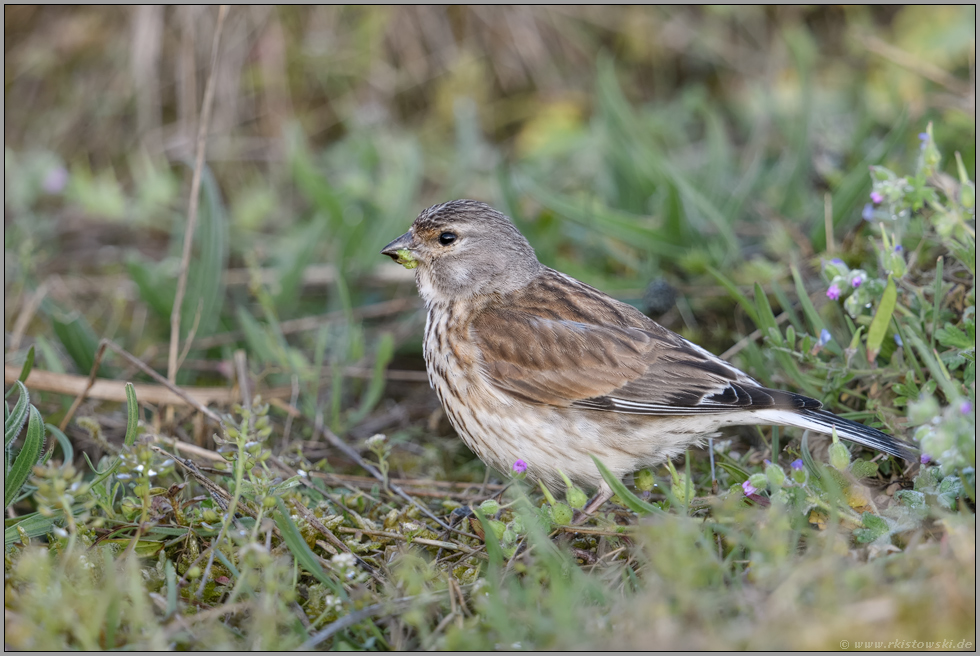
<point>533,365</point>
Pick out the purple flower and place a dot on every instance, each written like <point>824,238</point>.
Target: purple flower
<point>856,281</point>
<point>520,467</point>
<point>797,464</point>
<point>825,335</point>
<point>749,489</point>
<point>833,293</point>
<point>876,198</point>
<point>837,260</point>
<point>923,136</point>
<point>868,213</point>
<point>898,248</point>
<point>925,459</point>
<point>767,462</point>
<point>966,407</point>
<point>55,180</point>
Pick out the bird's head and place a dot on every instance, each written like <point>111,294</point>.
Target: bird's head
<point>464,248</point>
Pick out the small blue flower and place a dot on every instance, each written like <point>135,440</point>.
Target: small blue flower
<point>898,248</point>
<point>766,462</point>
<point>898,339</point>
<point>923,136</point>
<point>837,260</point>
<point>797,464</point>
<point>825,337</point>
<point>868,213</point>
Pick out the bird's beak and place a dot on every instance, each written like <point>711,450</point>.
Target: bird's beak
<point>400,251</point>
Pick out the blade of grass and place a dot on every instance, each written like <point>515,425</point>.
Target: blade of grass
<point>937,297</point>
<point>301,551</point>
<point>741,298</point>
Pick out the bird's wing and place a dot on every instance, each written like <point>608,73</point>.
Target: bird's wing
<point>585,349</point>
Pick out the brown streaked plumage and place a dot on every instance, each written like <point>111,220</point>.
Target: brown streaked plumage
<point>533,365</point>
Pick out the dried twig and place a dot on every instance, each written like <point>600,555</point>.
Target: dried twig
<point>31,303</point>
<point>88,385</point>
<point>202,133</point>
<point>751,337</point>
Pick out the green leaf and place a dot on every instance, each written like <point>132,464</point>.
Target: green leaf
<point>738,474</point>
<point>157,288</point>
<point>937,297</point>
<point>632,501</point>
<point>935,367</point>
<point>18,416</point>
<point>28,365</point>
<point>34,525</point>
<point>205,282</point>
<point>67,451</point>
<point>494,552</point>
<point>132,415</point>
<point>28,456</point>
<point>386,350</point>
<point>879,325</point>
<point>132,432</point>
<point>301,551</point>
<point>863,469</point>
<point>952,337</point>
<point>766,319</point>
<point>76,335</point>
<point>816,323</point>
<point>741,298</point>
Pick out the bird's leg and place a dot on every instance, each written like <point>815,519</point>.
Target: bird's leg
<point>604,494</point>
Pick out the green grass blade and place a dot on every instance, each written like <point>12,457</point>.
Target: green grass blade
<point>935,367</point>
<point>937,297</point>
<point>733,291</point>
<point>386,350</point>
<point>766,319</point>
<point>301,551</point>
<point>816,323</point>
<point>633,502</point>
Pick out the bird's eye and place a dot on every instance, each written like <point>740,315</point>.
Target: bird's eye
<point>447,238</point>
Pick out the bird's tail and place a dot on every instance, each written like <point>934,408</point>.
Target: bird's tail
<point>825,422</point>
